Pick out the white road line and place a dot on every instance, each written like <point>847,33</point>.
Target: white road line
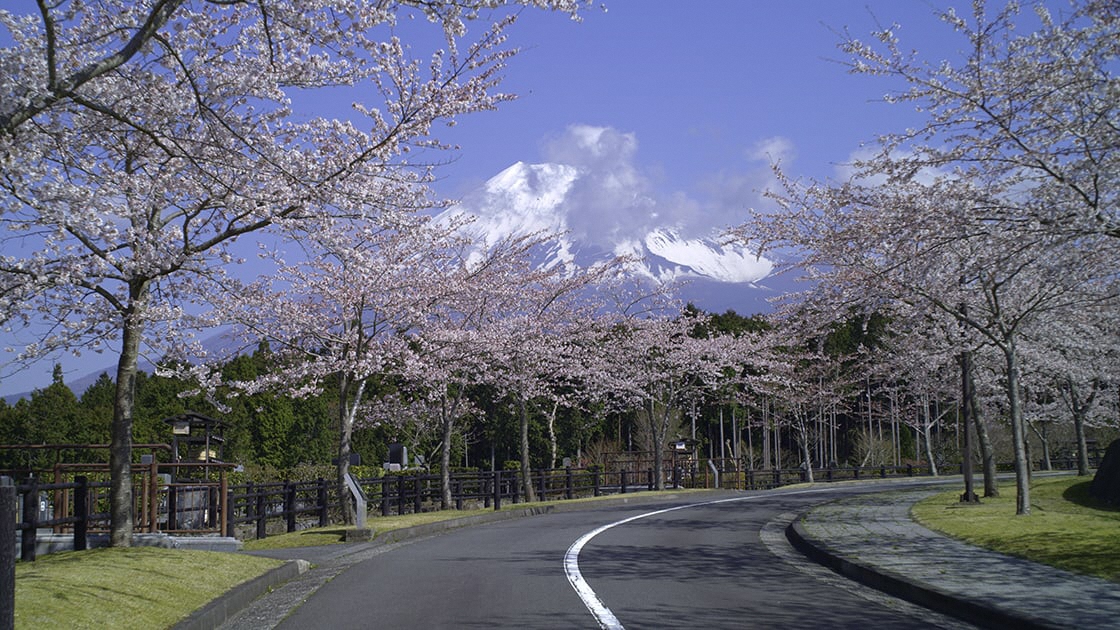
<point>590,599</point>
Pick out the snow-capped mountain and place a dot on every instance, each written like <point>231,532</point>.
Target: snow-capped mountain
<point>595,217</point>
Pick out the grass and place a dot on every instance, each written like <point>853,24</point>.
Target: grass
<point>1066,528</point>
<point>138,587</point>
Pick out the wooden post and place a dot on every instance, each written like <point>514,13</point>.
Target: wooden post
<point>30,521</point>
<point>324,514</point>
<point>262,514</point>
<point>9,512</point>
<point>153,495</point>
<point>223,498</point>
<point>81,512</point>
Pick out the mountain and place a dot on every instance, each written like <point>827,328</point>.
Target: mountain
<point>595,219</point>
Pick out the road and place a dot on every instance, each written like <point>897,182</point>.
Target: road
<point>713,562</point>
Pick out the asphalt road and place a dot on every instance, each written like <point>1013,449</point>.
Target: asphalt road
<point>717,564</point>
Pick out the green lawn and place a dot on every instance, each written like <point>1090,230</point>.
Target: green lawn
<point>138,587</point>
<point>1066,527</point>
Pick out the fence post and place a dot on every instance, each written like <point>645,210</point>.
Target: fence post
<point>173,506</point>
<point>417,486</point>
<point>324,514</point>
<point>30,521</point>
<point>497,490</point>
<point>9,512</point>
<point>385,502</point>
<point>596,487</point>
<point>290,505</point>
<point>883,471</point>
<point>622,480</point>
<point>568,483</point>
<point>262,514</point>
<point>230,515</point>
<point>649,478</point>
<point>400,495</point>
<point>540,483</point>
<point>81,512</point>
<point>250,503</point>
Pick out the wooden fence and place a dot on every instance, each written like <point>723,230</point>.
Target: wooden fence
<point>203,506</point>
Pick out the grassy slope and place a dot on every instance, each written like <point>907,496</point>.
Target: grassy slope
<point>1066,527</point>
<point>139,587</point>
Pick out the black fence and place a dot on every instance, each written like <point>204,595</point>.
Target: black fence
<point>259,510</point>
<point>35,512</point>
<point>80,507</point>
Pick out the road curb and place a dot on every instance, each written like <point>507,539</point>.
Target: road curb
<point>230,603</point>
<point>914,591</point>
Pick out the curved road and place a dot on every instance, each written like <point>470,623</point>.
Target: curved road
<point>714,561</point>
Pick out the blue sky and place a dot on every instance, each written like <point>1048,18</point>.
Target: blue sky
<point>700,85</point>
<point>694,96</point>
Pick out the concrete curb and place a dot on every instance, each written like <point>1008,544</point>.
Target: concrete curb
<point>949,603</point>
<point>219,610</point>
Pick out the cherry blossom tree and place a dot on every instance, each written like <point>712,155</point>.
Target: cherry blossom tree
<point>518,328</point>
<point>341,312</point>
<point>998,210</point>
<point>661,368</point>
<point>1076,357</point>
<point>140,142</point>
<point>1030,105</point>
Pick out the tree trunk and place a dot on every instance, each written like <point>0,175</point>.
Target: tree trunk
<point>1082,444</point>
<point>448,424</point>
<point>806,452</point>
<point>766,462</point>
<point>1043,435</point>
<point>552,446</point>
<point>987,450</point>
<point>120,443</point>
<point>347,410</point>
<point>1018,432</point>
<point>658,428</point>
<point>526,468</point>
<point>1080,410</point>
<point>929,449</point>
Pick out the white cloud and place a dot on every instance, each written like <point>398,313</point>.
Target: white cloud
<point>616,197</point>
<point>773,150</point>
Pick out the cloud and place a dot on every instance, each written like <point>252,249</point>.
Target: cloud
<point>773,150</point>
<point>616,198</point>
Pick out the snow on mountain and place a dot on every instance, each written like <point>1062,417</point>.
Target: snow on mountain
<point>705,258</point>
<point>591,223</point>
